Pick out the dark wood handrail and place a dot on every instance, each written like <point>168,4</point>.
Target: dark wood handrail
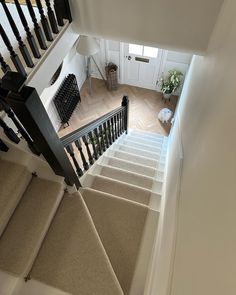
<point>84,130</point>
<point>90,141</point>
<point>86,143</point>
<point>28,107</point>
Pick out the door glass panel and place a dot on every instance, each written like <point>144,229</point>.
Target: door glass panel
<point>150,51</point>
<point>135,49</point>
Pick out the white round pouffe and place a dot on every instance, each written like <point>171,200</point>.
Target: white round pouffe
<point>165,115</point>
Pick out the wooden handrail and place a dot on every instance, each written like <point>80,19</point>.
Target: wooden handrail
<point>88,142</point>
<point>28,107</point>
<point>97,135</point>
<point>84,130</point>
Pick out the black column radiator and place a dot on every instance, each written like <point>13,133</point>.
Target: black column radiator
<point>67,98</point>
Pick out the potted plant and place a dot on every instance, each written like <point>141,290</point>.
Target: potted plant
<point>171,83</point>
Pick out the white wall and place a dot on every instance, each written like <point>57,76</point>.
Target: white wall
<point>176,25</point>
<point>72,64</point>
<point>111,51</point>
<point>205,258</point>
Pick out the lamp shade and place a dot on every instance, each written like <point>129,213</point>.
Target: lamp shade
<point>87,46</point>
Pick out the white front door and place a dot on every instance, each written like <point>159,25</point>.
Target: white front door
<point>142,65</point>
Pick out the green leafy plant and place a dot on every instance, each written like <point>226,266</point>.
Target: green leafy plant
<point>170,83</point>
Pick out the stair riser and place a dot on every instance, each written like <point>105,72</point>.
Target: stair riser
<point>117,188</point>
<point>129,166</point>
<point>145,141</point>
<point>129,177</point>
<point>155,149</point>
<point>152,144</point>
<point>132,158</point>
<point>138,152</point>
<point>151,136</point>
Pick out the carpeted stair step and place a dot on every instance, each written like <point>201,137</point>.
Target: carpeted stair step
<point>154,144</point>
<point>136,151</point>
<point>120,224</point>
<point>14,179</point>
<point>155,149</point>
<point>28,225</point>
<point>72,257</point>
<point>128,177</point>
<point>132,167</point>
<point>146,134</point>
<point>132,158</point>
<point>145,140</point>
<point>118,188</point>
<point>128,166</point>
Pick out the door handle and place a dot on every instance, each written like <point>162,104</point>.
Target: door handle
<point>128,57</point>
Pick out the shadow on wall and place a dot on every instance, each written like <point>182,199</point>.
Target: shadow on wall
<point>73,63</point>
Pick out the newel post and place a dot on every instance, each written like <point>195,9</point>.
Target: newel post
<point>62,9</point>
<point>27,106</point>
<point>125,103</point>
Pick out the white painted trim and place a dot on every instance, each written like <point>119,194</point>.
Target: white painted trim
<point>122,61</point>
<point>21,154</point>
<point>107,52</point>
<point>166,235</point>
<point>163,62</point>
<point>41,74</point>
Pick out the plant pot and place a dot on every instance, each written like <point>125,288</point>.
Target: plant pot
<point>167,95</point>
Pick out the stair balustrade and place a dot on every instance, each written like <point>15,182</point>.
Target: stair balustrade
<point>52,17</point>
<point>21,130</point>
<point>4,66</point>
<point>24,106</point>
<point>29,110</point>
<point>9,132</point>
<point>93,139</point>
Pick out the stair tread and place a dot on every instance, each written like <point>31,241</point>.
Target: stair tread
<point>14,179</point>
<point>137,151</point>
<point>121,189</point>
<point>72,257</point>
<point>145,140</point>
<point>126,176</point>
<point>142,146</point>
<point>26,229</point>
<point>129,166</point>
<point>148,134</point>
<point>134,158</point>
<point>120,224</point>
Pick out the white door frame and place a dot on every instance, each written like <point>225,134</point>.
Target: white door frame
<point>122,62</point>
<point>163,59</point>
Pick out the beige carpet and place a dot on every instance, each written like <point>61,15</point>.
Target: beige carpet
<point>132,167</point>
<point>72,257</point>
<point>14,179</point>
<point>121,189</point>
<point>136,151</point>
<point>145,140</point>
<point>120,224</point>
<point>135,158</point>
<point>23,235</point>
<point>155,148</point>
<point>146,134</point>
<point>128,177</point>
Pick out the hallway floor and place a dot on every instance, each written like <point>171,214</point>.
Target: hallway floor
<point>144,107</point>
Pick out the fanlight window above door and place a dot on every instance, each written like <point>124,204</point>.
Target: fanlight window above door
<point>143,50</point>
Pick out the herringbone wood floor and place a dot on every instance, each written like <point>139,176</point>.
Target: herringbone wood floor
<point>144,107</point>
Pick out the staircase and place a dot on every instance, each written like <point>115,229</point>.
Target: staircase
<point>98,240</point>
